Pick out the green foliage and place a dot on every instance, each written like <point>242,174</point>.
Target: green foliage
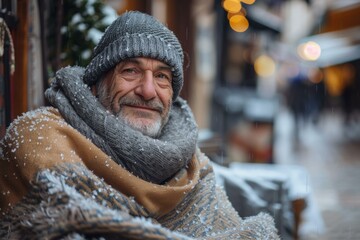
<point>80,20</point>
<point>79,17</point>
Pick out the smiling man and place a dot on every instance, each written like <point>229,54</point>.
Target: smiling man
<point>115,156</point>
<point>139,91</point>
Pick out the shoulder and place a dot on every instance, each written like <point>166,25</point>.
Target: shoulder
<point>33,122</point>
<point>42,114</point>
<point>41,139</point>
<point>32,130</point>
<point>35,140</point>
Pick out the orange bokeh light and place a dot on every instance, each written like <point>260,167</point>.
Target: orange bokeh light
<point>248,1</point>
<point>264,66</point>
<point>239,23</point>
<point>232,6</point>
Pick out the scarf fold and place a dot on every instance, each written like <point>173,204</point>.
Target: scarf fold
<point>153,160</point>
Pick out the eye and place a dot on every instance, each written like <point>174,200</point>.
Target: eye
<point>163,76</point>
<point>130,73</point>
<point>163,79</point>
<point>129,70</point>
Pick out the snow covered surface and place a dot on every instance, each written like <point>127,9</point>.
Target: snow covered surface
<point>253,188</point>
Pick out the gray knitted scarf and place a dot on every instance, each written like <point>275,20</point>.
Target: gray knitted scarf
<point>154,160</point>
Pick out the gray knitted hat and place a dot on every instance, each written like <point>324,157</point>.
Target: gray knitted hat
<point>136,34</point>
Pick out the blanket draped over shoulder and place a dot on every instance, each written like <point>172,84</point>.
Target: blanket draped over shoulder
<point>56,183</point>
<point>75,191</point>
<point>156,159</point>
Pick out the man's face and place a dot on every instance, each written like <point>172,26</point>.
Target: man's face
<point>138,90</point>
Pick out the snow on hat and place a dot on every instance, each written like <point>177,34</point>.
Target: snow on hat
<point>135,34</point>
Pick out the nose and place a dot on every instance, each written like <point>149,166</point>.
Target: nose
<point>146,88</point>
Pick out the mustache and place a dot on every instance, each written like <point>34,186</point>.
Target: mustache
<point>153,104</point>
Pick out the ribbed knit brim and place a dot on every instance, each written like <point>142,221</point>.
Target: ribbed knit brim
<point>136,34</point>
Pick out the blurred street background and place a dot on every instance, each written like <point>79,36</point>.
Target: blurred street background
<point>274,86</point>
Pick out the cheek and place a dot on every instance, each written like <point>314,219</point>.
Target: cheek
<point>165,96</point>
<point>118,90</point>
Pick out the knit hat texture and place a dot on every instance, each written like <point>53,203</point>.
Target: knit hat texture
<point>135,34</point>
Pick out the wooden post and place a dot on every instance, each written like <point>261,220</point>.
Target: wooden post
<point>19,83</point>
<point>139,5</point>
<point>43,10</point>
<point>180,22</point>
<point>59,16</point>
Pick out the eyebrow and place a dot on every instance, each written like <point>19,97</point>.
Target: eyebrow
<point>163,66</point>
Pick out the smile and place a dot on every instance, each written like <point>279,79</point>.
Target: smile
<point>144,108</point>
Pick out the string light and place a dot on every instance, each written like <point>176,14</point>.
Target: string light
<point>236,14</point>
<point>241,12</point>
<point>264,66</point>
<point>239,23</point>
<point>232,6</point>
<point>248,1</point>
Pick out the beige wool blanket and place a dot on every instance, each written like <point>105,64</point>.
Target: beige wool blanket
<point>56,184</point>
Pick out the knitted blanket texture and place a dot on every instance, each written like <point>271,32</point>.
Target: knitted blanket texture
<point>70,202</point>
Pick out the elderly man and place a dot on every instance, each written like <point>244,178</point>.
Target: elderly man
<point>115,157</point>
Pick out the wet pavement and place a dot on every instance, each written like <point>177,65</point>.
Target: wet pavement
<point>330,152</point>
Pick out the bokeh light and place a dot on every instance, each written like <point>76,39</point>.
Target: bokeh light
<point>232,6</point>
<point>264,66</point>
<point>248,1</point>
<point>309,51</point>
<point>316,75</point>
<point>229,14</point>
<point>239,23</point>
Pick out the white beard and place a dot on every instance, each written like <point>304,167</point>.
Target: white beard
<point>151,130</point>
